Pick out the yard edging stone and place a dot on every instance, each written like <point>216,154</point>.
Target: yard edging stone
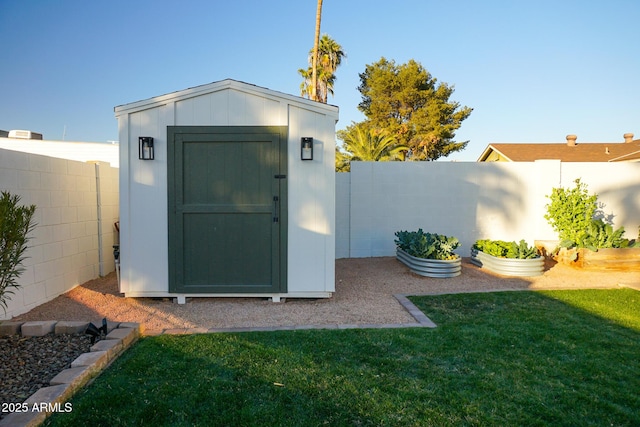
<point>83,369</point>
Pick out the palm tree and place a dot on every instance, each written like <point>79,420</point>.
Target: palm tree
<point>306,86</point>
<point>330,55</point>
<point>343,161</point>
<point>365,144</point>
<point>314,60</point>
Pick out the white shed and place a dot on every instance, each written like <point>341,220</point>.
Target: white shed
<point>230,202</point>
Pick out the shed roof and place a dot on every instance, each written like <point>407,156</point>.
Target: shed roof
<point>218,86</point>
<point>584,152</point>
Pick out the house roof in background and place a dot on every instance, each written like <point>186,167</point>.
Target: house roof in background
<point>580,152</point>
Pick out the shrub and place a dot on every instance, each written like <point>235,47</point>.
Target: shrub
<point>575,216</point>
<point>15,224</point>
<point>502,249</point>
<point>571,210</point>
<point>427,245</point>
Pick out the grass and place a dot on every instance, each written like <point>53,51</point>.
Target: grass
<point>510,358</point>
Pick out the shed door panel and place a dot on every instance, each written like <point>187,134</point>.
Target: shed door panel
<point>226,223</point>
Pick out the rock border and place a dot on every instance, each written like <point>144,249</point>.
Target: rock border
<point>84,368</point>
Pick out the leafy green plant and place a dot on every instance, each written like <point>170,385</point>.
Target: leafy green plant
<point>573,214</point>
<point>427,245</point>
<point>15,224</point>
<point>503,249</point>
<point>599,235</point>
<point>571,210</point>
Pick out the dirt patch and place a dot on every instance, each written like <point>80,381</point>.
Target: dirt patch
<point>364,295</point>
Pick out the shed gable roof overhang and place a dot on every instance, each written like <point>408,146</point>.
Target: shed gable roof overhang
<point>226,84</point>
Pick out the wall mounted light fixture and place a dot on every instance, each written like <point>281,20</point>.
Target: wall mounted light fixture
<point>306,148</point>
<point>145,148</point>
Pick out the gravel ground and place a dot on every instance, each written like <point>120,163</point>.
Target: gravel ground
<point>29,363</point>
<point>364,296</point>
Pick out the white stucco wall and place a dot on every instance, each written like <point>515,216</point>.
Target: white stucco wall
<point>79,151</point>
<point>143,184</point>
<point>471,200</point>
<point>343,214</point>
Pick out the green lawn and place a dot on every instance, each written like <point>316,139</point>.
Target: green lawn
<point>496,359</point>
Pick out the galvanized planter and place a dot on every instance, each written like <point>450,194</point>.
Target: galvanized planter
<point>508,266</point>
<point>430,267</point>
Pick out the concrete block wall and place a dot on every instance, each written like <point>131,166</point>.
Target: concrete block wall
<point>469,200</point>
<point>69,245</point>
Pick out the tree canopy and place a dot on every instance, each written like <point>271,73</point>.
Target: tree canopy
<point>362,143</point>
<point>409,104</point>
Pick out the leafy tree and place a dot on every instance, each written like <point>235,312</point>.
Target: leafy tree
<point>407,102</point>
<point>362,143</point>
<point>15,224</point>
<point>330,55</point>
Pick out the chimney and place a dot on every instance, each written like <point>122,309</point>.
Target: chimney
<point>571,140</point>
<point>628,137</point>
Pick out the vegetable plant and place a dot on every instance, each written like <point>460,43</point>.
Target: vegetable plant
<point>599,235</point>
<point>503,249</point>
<point>15,224</point>
<point>421,244</point>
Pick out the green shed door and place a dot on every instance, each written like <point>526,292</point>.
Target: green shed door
<point>227,209</point>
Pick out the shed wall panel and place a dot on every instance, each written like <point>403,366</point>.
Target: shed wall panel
<point>230,108</point>
<point>144,230</point>
<point>219,108</point>
<point>311,204</point>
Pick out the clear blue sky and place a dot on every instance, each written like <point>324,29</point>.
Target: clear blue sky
<point>534,71</point>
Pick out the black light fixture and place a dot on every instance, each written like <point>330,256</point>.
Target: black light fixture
<point>145,148</point>
<point>306,148</point>
<point>95,332</point>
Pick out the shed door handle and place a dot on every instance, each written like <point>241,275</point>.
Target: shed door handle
<point>275,208</point>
